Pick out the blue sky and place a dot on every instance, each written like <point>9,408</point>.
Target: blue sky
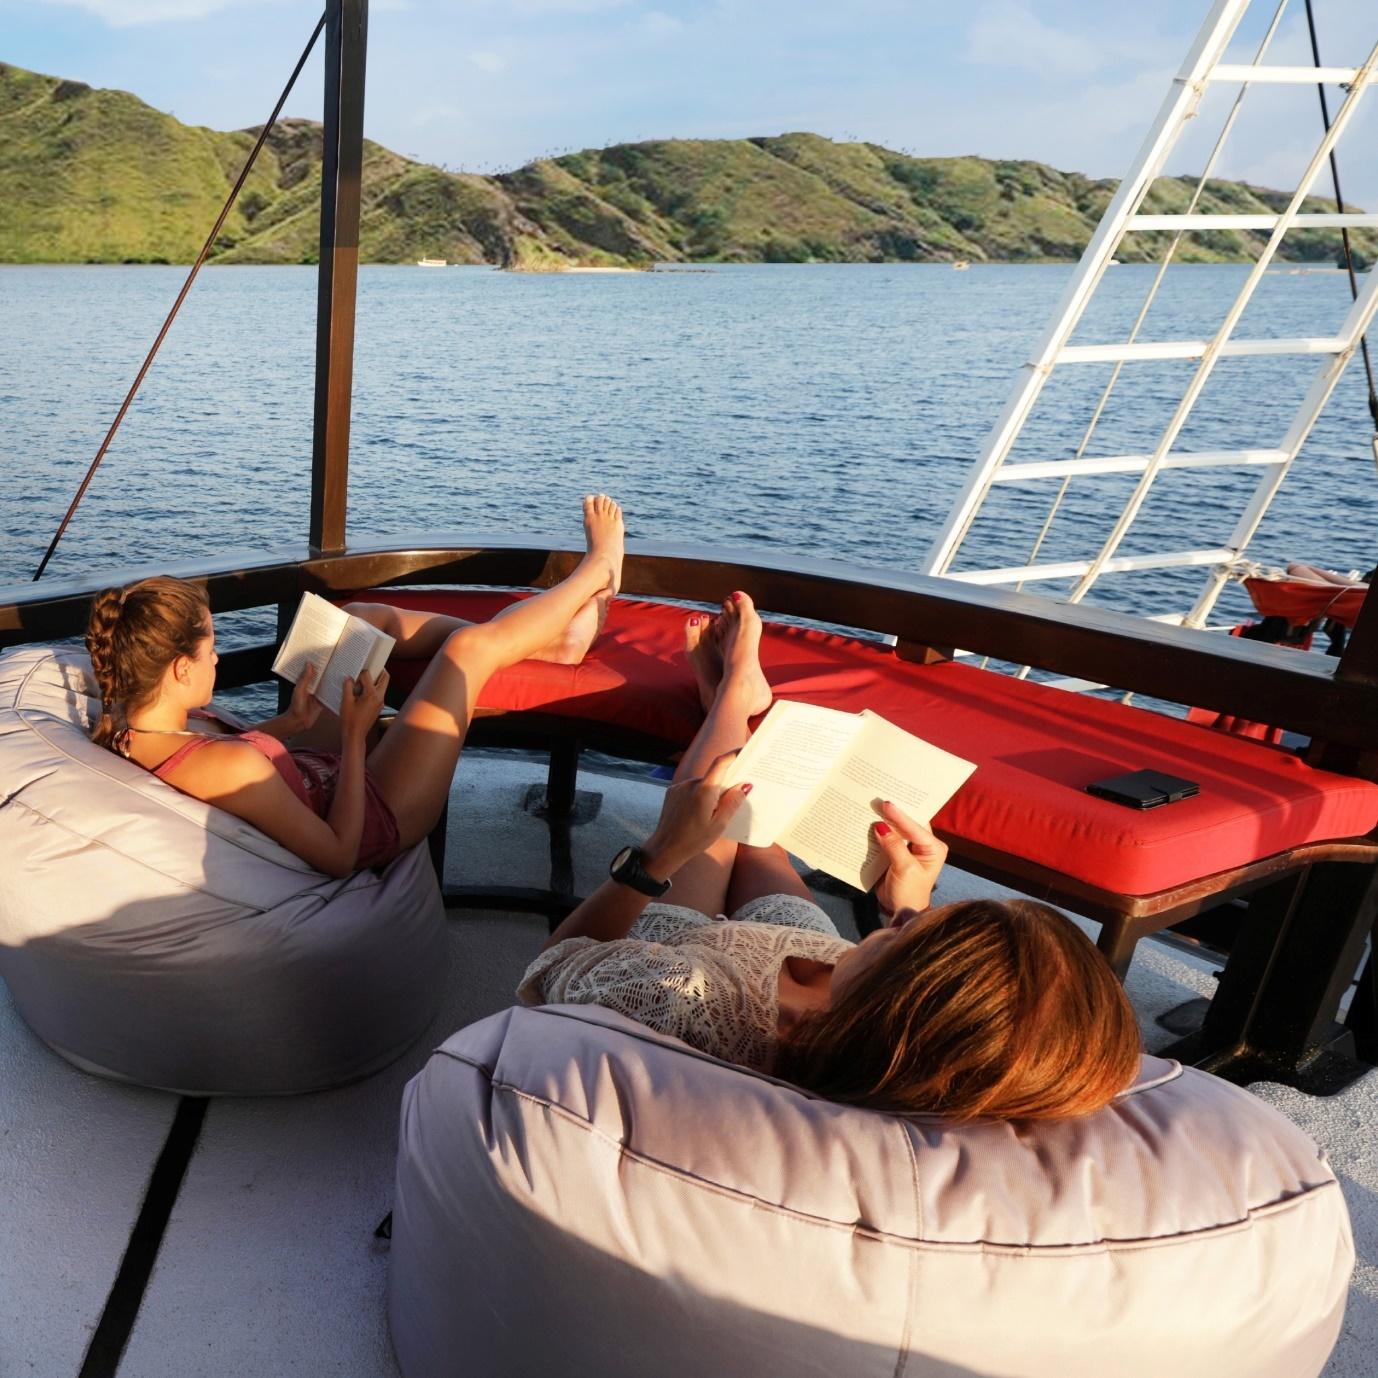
<point>485,85</point>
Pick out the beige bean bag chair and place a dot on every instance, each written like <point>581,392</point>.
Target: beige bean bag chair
<point>152,938</point>
<point>577,1195</point>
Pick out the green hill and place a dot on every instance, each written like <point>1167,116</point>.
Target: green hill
<point>94,176</point>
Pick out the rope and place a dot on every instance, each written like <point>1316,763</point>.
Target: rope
<point>181,297</point>
<point>1344,229</point>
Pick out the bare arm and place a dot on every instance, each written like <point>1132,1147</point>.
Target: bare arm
<point>695,813</point>
<point>606,915</point>
<point>301,714</point>
<point>238,778</point>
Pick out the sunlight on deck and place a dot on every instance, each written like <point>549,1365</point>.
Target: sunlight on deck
<point>270,1265</point>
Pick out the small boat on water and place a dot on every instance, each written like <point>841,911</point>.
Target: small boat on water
<point>431,263</point>
<point>960,265</point>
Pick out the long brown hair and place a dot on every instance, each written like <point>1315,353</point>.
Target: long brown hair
<point>983,1009</point>
<point>133,635</point>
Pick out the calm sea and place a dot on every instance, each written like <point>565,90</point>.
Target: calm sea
<point>809,410</point>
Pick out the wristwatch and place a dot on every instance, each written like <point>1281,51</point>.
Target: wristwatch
<point>626,869</point>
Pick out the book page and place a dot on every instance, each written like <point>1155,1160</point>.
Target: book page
<point>834,833</point>
<point>378,657</point>
<point>793,749</point>
<point>361,645</point>
<point>310,640</point>
<point>337,644</point>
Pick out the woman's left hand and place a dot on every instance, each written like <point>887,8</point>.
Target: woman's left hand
<point>306,707</point>
<point>915,858</point>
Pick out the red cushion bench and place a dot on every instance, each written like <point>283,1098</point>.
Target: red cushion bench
<point>1263,823</point>
<point>1036,748</point>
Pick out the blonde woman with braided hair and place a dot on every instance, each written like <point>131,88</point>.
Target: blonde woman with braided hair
<point>358,803</point>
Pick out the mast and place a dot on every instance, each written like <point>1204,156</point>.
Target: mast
<point>346,38</point>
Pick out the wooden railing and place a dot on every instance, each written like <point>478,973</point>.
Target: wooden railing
<point>1334,702</point>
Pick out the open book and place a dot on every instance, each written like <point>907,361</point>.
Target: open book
<point>818,779</point>
<point>336,643</point>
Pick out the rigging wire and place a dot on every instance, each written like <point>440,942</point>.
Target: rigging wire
<point>1344,229</point>
<point>181,296</point>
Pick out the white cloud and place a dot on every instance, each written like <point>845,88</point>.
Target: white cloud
<point>488,62</point>
<point>1007,33</point>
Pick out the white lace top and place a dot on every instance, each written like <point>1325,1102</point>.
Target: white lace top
<point>714,983</point>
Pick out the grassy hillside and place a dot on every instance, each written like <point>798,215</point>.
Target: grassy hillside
<point>92,176</point>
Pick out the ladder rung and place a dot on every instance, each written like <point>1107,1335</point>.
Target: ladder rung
<point>1073,569</point>
<point>1202,220</point>
<point>1136,464</point>
<point>1305,76</point>
<point>1144,351</point>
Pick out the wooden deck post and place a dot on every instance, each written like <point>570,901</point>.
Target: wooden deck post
<point>346,34</point>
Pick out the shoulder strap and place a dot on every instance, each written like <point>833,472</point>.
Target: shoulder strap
<point>193,743</point>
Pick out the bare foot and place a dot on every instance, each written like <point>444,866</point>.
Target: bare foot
<point>572,645</point>
<point>705,656</point>
<point>738,634</point>
<point>605,534</point>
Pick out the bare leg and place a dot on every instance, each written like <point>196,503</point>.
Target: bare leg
<point>1314,574</point>
<point>414,763</point>
<point>419,635</point>
<point>763,871</point>
<point>572,645</point>
<point>705,658</point>
<point>754,871</point>
<point>703,883</point>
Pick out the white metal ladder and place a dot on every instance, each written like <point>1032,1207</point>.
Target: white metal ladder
<point>1201,68</point>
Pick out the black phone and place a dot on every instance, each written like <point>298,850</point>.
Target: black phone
<point>1144,789</point>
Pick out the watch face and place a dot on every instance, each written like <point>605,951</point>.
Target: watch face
<point>621,858</point>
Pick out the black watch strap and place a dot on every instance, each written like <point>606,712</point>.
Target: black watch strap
<point>628,869</point>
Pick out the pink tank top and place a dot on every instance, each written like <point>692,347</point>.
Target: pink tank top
<point>311,776</point>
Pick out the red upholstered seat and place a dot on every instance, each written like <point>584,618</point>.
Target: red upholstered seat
<point>1036,748</point>
<point>1301,601</point>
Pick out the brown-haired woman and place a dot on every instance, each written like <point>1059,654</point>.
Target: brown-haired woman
<point>152,649</point>
<point>978,1009</point>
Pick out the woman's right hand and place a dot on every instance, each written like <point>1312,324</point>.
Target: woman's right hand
<point>360,703</point>
<point>695,814</point>
<point>915,858</point>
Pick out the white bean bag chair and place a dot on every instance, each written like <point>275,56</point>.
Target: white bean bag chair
<point>152,938</point>
<point>578,1195</point>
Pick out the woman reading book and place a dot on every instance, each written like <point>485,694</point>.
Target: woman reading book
<point>977,1009</point>
<point>359,803</point>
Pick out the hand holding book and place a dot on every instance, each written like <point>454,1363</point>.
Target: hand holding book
<point>821,777</point>
<point>695,813</point>
<point>336,645</point>
<point>306,707</point>
<point>913,859</point>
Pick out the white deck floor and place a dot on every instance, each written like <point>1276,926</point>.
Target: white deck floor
<point>269,1265</point>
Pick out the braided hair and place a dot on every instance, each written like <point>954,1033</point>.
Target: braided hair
<point>133,635</point>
